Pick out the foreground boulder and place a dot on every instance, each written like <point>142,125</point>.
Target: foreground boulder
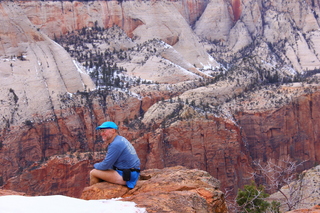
<point>173,189</point>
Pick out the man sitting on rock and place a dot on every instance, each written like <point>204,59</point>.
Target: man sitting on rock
<point>121,164</point>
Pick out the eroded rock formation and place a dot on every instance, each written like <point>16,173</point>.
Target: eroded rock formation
<point>315,209</point>
<point>174,189</point>
<point>223,117</point>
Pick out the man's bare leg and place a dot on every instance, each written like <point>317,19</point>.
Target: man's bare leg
<point>108,175</point>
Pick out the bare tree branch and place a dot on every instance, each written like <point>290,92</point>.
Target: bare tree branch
<point>282,177</point>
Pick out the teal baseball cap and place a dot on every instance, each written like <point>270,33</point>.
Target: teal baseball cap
<point>107,125</point>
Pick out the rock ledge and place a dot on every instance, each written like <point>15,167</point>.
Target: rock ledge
<point>172,189</point>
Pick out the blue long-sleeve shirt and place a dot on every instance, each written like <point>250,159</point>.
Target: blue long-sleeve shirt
<point>120,154</point>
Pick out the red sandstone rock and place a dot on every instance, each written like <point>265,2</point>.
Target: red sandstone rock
<point>174,189</point>
<point>10,192</point>
<point>315,209</point>
<point>65,176</point>
<point>291,131</point>
<point>215,144</point>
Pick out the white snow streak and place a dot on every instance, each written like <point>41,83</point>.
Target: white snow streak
<point>64,204</point>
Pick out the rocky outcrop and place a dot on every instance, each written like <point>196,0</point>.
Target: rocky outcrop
<point>10,192</point>
<point>60,175</point>
<point>174,189</point>
<point>315,209</point>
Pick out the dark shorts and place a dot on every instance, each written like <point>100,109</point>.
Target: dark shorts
<point>133,180</point>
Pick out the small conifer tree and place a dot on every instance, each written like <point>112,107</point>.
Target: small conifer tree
<point>251,199</point>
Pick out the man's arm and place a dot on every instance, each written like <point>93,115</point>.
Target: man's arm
<point>112,156</point>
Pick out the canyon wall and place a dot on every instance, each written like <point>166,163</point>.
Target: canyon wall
<point>225,148</point>
<point>50,106</point>
<point>292,130</point>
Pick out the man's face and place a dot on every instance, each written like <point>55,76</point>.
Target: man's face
<point>107,134</point>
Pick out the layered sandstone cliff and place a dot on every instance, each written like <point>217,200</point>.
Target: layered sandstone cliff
<point>189,138</point>
<point>217,117</point>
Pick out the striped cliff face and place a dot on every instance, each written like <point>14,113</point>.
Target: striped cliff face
<point>209,70</point>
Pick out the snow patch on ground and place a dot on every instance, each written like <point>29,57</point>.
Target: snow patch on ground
<point>64,204</point>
